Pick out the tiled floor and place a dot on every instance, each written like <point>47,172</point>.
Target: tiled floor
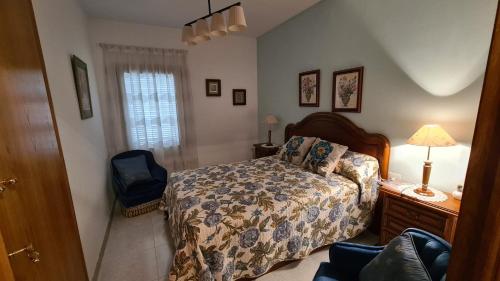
<point>140,249</point>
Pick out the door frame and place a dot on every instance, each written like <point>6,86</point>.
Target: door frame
<point>5,269</point>
<point>476,249</point>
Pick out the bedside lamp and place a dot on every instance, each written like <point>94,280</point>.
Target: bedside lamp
<point>271,120</point>
<point>430,136</point>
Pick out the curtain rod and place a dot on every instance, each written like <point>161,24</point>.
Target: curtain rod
<point>210,12</point>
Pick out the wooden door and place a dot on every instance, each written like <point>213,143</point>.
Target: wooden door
<point>476,251</point>
<point>37,209</point>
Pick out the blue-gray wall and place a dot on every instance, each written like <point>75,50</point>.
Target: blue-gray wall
<point>424,63</point>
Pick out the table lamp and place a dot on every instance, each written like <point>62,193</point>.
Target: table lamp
<point>430,136</point>
<point>271,120</point>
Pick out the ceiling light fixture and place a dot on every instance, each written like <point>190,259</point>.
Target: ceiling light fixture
<point>200,33</point>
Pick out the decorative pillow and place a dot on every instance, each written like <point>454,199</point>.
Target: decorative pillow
<point>295,149</point>
<point>133,170</point>
<point>398,261</point>
<point>323,157</point>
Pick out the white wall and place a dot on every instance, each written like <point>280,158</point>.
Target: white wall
<point>225,133</point>
<point>424,63</point>
<point>62,27</point>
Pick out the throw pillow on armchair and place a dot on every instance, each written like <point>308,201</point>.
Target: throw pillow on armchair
<point>398,261</point>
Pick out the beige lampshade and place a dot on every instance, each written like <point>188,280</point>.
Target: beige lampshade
<point>237,21</point>
<point>218,27</point>
<point>201,31</point>
<point>188,35</point>
<point>431,135</point>
<point>271,120</point>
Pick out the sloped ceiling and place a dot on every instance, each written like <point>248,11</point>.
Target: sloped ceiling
<point>261,15</point>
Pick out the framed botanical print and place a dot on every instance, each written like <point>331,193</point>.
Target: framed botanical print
<point>82,87</point>
<point>347,90</point>
<point>213,87</point>
<point>239,97</point>
<point>309,84</point>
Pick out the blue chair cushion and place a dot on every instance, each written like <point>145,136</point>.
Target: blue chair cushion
<point>133,170</point>
<point>399,261</point>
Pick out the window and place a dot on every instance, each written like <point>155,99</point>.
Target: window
<point>151,110</point>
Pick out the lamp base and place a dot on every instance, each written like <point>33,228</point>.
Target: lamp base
<point>423,191</point>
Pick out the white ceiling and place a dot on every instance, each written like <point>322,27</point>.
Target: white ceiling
<point>261,15</point>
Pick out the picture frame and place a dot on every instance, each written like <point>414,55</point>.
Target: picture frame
<point>347,90</point>
<point>213,87</point>
<point>239,97</point>
<point>309,88</point>
<point>81,77</point>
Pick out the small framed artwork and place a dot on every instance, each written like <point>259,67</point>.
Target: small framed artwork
<point>239,97</point>
<point>347,90</point>
<point>213,87</point>
<point>82,87</point>
<point>309,88</point>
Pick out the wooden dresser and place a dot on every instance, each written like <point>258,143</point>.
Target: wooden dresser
<point>402,212</point>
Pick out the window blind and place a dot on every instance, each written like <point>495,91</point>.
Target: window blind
<point>151,111</point>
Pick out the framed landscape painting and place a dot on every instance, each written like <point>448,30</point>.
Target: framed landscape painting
<point>82,87</point>
<point>239,97</point>
<point>213,87</point>
<point>347,90</point>
<point>309,84</point>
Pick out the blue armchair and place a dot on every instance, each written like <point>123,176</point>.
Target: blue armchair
<point>140,196</point>
<point>348,259</point>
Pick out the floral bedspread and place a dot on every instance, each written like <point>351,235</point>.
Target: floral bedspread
<point>238,220</point>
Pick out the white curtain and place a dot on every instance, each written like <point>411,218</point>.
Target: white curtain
<point>148,104</point>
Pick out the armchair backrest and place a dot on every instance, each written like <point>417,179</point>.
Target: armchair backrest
<point>133,153</point>
<point>433,251</point>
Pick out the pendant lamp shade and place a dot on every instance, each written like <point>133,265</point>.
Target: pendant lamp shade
<point>201,31</point>
<point>237,21</point>
<point>188,35</point>
<point>218,27</point>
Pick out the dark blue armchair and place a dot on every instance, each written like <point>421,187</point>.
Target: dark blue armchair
<point>141,196</point>
<point>348,259</point>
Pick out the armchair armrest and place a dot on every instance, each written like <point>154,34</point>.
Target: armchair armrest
<point>348,258</point>
<point>159,173</point>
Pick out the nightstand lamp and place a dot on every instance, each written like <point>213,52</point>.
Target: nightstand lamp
<point>271,120</point>
<point>430,136</point>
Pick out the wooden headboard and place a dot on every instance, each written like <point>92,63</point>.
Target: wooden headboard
<point>338,129</point>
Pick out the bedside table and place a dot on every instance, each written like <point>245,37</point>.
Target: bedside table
<point>401,212</point>
<point>263,151</point>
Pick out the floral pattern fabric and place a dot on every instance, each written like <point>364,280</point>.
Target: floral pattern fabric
<point>295,149</point>
<point>323,157</point>
<point>361,169</point>
<point>238,220</point>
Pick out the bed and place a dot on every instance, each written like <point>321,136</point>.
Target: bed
<point>239,220</point>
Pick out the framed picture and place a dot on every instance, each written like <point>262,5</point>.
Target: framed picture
<point>347,90</point>
<point>309,88</point>
<point>82,87</point>
<point>213,87</point>
<point>239,97</point>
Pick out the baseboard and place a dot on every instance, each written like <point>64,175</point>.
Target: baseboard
<point>104,243</point>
